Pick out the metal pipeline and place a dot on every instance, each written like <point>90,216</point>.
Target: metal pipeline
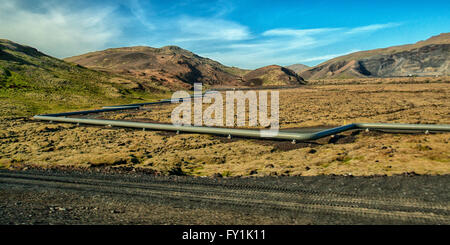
<point>105,109</point>
<point>399,126</point>
<point>253,133</point>
<point>282,135</point>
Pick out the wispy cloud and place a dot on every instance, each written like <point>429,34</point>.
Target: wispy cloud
<point>61,30</point>
<point>298,32</point>
<point>369,28</point>
<point>327,57</point>
<point>286,46</point>
<point>56,30</point>
<point>199,29</point>
<point>141,14</point>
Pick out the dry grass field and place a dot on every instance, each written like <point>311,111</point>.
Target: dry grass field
<point>26,143</point>
<point>338,105</point>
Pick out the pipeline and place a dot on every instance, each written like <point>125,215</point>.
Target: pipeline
<point>252,133</point>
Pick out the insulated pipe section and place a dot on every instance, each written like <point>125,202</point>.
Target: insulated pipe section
<point>163,101</point>
<point>283,135</point>
<point>118,107</point>
<point>105,109</point>
<point>333,131</point>
<point>170,127</point>
<point>138,104</point>
<point>399,126</point>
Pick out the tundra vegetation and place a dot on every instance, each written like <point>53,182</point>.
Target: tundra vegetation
<point>33,83</point>
<point>25,143</point>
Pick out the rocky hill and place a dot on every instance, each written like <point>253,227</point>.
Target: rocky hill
<point>272,75</point>
<point>425,58</point>
<point>298,67</point>
<point>32,82</point>
<point>169,66</point>
<point>177,68</point>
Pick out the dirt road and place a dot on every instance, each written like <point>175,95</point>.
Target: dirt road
<point>70,197</point>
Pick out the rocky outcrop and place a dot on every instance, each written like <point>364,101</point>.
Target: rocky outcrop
<point>298,67</point>
<point>425,58</point>
<point>171,66</point>
<point>272,75</point>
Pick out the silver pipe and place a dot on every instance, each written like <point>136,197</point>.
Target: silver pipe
<point>105,109</point>
<point>333,131</point>
<point>254,133</point>
<point>283,135</point>
<point>171,127</point>
<point>400,126</point>
<point>162,101</point>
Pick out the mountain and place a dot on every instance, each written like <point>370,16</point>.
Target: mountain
<point>298,67</point>
<point>272,75</point>
<point>33,82</point>
<point>169,66</point>
<point>177,68</point>
<point>424,58</point>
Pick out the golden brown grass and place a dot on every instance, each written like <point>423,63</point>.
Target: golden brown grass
<point>26,143</point>
<point>342,104</point>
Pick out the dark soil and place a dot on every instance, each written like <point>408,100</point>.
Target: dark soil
<point>102,197</point>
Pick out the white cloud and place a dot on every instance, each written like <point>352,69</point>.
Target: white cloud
<point>199,29</point>
<point>369,28</point>
<point>58,31</point>
<point>62,31</point>
<point>287,46</point>
<point>140,14</point>
<point>275,46</point>
<point>297,32</point>
<point>327,57</point>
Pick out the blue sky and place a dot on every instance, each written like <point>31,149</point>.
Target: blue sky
<point>247,34</point>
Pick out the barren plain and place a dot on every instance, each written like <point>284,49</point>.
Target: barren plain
<point>27,143</point>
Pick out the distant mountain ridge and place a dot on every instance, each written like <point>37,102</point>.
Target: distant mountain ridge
<point>172,67</point>
<point>273,75</point>
<point>424,58</point>
<point>298,67</point>
<point>32,82</point>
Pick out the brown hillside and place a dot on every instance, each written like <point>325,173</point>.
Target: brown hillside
<point>272,75</point>
<point>424,58</point>
<point>169,66</point>
<point>32,82</point>
<point>298,67</point>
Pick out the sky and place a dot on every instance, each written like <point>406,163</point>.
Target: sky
<point>245,34</point>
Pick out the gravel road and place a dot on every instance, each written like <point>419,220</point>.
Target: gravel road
<point>105,197</point>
